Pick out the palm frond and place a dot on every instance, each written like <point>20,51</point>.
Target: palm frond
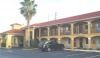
<point>28,8</point>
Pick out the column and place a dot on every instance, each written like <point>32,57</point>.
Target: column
<point>24,42</point>
<point>89,27</point>
<point>89,43</point>
<point>59,40</point>
<point>84,42</point>
<point>48,39</point>
<point>72,43</point>
<point>72,26</point>
<point>58,30</point>
<point>39,39</point>
<point>33,33</point>
<point>13,41</point>
<point>9,41</point>
<point>16,41</point>
<point>48,31</point>
<point>39,32</point>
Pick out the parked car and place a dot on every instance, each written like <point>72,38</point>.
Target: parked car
<point>50,46</point>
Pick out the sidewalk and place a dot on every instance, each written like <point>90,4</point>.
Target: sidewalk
<point>30,49</point>
<point>98,51</point>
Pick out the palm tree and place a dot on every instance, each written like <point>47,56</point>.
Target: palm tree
<point>28,10</point>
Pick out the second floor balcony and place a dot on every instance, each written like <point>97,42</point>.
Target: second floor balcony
<point>53,31</point>
<point>80,28</point>
<point>66,29</point>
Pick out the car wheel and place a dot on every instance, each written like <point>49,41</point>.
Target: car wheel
<point>49,49</point>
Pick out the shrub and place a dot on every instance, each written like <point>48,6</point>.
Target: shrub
<point>34,43</point>
<point>3,44</point>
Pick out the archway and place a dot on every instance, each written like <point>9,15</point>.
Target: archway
<point>95,42</point>
<point>66,41</point>
<point>80,28</point>
<point>53,30</point>
<point>65,29</point>
<point>54,39</point>
<point>95,26</point>
<point>43,40</point>
<point>81,42</point>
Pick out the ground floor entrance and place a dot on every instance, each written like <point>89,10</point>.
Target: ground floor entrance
<point>80,42</point>
<point>17,41</point>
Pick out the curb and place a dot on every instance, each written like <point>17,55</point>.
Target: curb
<point>2,47</point>
<point>31,49</point>
<point>83,50</point>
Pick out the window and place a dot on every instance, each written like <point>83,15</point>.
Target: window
<point>61,28</point>
<point>86,40</point>
<point>67,28</point>
<point>98,41</point>
<point>44,32</point>
<point>68,41</point>
<point>98,24</point>
<point>93,41</point>
<point>86,27</point>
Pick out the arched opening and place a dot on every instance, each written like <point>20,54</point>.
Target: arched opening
<point>43,39</point>
<point>65,29</point>
<point>81,28</point>
<point>53,31</point>
<point>36,33</point>
<point>95,26</point>
<point>81,42</point>
<point>44,31</point>
<point>54,39</point>
<point>17,41</point>
<point>66,41</point>
<point>95,42</point>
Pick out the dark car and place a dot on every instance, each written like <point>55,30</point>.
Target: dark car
<point>50,46</point>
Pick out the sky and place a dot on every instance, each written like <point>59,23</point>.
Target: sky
<point>46,9</point>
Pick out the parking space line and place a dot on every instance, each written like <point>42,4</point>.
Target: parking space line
<point>93,56</point>
<point>75,54</point>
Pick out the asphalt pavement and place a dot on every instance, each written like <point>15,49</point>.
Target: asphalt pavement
<point>20,53</point>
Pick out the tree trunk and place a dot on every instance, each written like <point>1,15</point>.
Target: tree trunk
<point>28,31</point>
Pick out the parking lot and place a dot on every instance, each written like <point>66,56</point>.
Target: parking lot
<point>69,54</point>
<point>20,53</point>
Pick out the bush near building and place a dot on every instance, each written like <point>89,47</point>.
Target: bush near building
<point>34,43</point>
<point>3,44</point>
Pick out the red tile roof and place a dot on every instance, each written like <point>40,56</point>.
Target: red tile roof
<point>69,19</point>
<point>13,31</point>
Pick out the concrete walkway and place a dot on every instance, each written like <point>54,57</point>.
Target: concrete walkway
<point>98,51</point>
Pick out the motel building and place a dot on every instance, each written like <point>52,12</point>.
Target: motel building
<point>76,32</point>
